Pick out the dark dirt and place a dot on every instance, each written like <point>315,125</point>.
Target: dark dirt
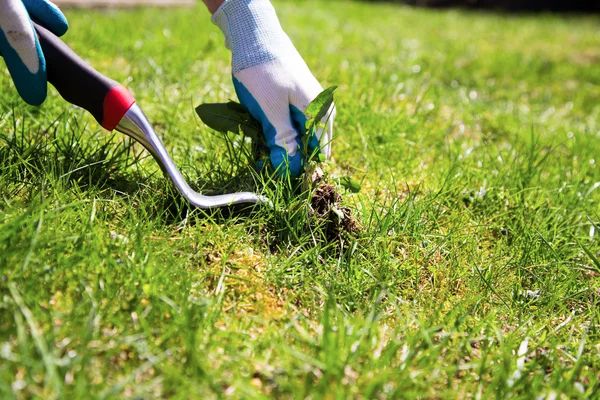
<point>338,220</point>
<point>324,198</point>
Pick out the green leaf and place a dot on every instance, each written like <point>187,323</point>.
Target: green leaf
<point>230,117</point>
<point>318,108</point>
<point>350,184</point>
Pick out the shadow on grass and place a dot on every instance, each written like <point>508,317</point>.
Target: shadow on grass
<point>65,153</point>
<point>106,164</point>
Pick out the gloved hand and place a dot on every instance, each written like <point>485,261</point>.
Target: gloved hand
<point>272,81</point>
<point>20,47</point>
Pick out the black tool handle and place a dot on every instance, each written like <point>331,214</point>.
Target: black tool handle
<point>82,85</point>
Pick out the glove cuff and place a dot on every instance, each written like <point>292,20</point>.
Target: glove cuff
<point>252,32</point>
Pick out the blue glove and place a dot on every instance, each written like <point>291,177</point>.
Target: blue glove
<point>20,47</point>
<point>272,80</point>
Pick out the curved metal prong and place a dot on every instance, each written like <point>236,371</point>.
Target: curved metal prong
<point>136,125</point>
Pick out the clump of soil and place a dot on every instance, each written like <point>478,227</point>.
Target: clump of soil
<point>326,206</point>
<point>324,198</point>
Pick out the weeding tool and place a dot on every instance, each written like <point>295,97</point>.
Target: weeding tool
<point>115,109</point>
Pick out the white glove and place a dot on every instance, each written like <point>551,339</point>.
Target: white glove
<point>20,47</point>
<point>272,81</point>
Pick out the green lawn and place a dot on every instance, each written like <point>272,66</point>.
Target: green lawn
<point>476,275</point>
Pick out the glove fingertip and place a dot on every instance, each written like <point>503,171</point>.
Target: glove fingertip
<point>57,23</point>
<point>61,26</point>
<point>48,15</point>
<point>35,99</point>
<point>32,88</point>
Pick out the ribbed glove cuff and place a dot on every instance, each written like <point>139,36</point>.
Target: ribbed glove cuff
<point>252,32</point>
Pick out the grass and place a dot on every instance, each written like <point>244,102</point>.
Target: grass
<point>476,139</point>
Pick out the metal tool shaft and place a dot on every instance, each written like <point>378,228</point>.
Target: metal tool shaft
<point>136,125</point>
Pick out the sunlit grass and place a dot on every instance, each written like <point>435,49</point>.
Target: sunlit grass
<point>475,138</point>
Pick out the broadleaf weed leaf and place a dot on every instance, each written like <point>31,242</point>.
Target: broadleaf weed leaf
<point>230,117</point>
<point>350,184</point>
<point>235,118</point>
<point>318,108</point>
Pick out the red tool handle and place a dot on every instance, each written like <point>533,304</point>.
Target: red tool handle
<point>80,84</point>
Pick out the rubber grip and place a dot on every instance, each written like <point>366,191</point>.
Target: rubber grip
<point>80,84</point>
